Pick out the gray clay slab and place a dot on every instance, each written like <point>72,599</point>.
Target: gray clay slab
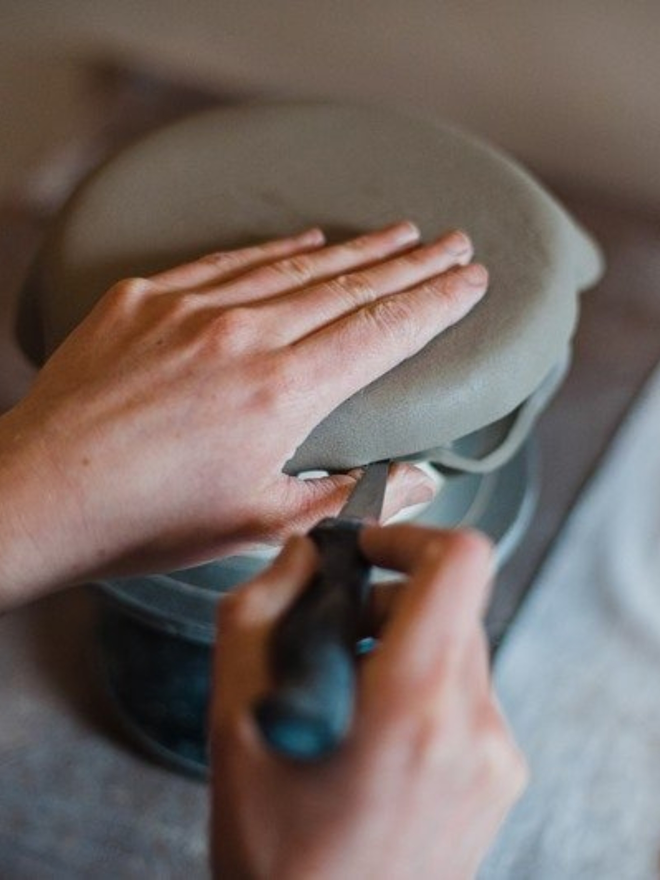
<point>233,176</point>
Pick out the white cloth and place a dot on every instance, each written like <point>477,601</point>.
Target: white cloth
<point>579,678</point>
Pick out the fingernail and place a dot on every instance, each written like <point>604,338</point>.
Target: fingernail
<point>420,488</point>
<point>405,232</point>
<point>311,236</point>
<point>457,242</point>
<point>475,275</point>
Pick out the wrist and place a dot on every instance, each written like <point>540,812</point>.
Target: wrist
<point>35,539</point>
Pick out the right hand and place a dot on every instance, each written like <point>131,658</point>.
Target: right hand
<point>430,769</point>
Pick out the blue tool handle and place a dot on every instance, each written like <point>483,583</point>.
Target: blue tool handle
<point>309,710</point>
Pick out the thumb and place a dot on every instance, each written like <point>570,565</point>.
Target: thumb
<point>308,501</point>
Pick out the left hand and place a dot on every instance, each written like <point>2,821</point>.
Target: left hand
<point>155,437</point>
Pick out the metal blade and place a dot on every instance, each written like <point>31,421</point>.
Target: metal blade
<point>366,499</point>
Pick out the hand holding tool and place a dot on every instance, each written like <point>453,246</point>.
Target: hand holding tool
<point>312,652</point>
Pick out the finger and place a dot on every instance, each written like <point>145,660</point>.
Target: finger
<point>301,271</point>
<point>245,619</point>
<point>302,503</point>
<point>377,337</point>
<point>439,611</point>
<point>263,599</point>
<point>224,266</point>
<point>307,310</point>
<point>382,602</point>
<point>400,547</point>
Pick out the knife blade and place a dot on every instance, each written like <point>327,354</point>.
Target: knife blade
<point>312,650</point>
<point>366,499</point>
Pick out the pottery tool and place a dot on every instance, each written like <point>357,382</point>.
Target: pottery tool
<point>313,649</point>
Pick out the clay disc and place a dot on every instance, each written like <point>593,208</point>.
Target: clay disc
<point>234,176</point>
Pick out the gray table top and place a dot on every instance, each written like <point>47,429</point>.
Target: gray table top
<point>77,800</point>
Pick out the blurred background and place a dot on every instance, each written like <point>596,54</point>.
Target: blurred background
<point>571,87</point>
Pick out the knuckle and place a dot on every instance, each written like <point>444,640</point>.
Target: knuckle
<point>232,330</point>
<point>183,303</point>
<point>130,290</point>
<point>296,270</point>
<point>442,288</point>
<point>469,543</point>
<point>221,260</point>
<point>518,770</point>
<point>357,288</point>
<point>360,243</point>
<point>501,765</point>
<point>393,318</point>
<point>175,308</point>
